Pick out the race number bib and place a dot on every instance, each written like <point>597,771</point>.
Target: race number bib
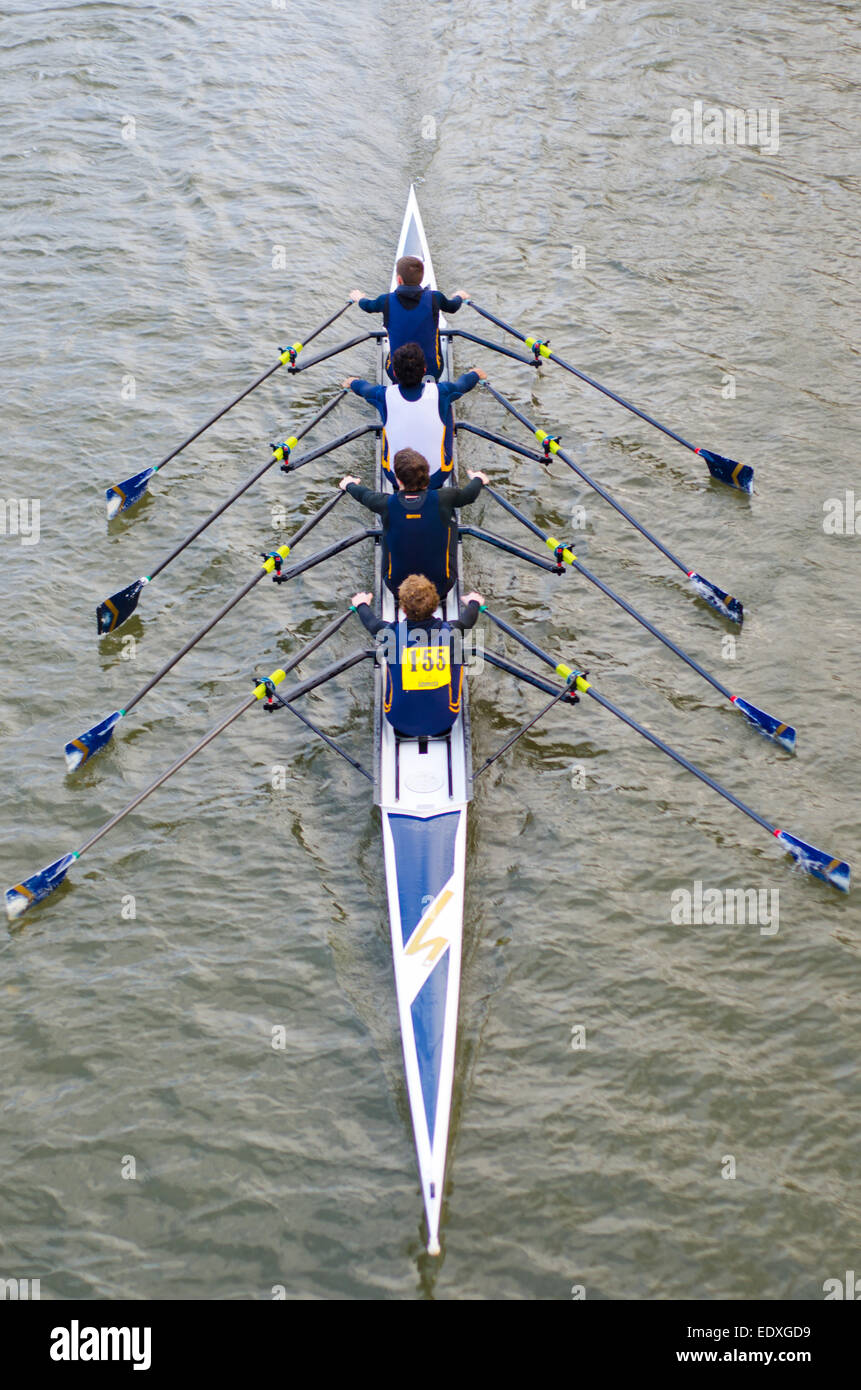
<point>425,668</point>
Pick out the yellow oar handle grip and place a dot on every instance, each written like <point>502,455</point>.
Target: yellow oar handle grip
<point>291,353</point>
<point>567,555</point>
<point>269,562</point>
<point>536,342</point>
<point>565,672</point>
<point>276,678</point>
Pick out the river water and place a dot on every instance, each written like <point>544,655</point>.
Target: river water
<point>644,1108</point>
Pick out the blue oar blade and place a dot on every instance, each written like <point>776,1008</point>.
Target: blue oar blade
<point>124,495</point>
<point>114,610</point>
<point>784,734</point>
<point>79,750</point>
<point>728,471</point>
<point>816,861</point>
<point>34,889</point>
<point>723,603</point>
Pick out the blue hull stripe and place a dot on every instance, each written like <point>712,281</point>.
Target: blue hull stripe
<point>428,1011</point>
<point>425,848</point>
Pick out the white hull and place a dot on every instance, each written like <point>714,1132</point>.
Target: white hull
<point>423,788</point>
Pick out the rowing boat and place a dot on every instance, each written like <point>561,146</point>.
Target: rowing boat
<point>423,787</point>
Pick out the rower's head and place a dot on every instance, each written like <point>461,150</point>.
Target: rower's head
<point>411,470</point>
<point>418,598</point>
<point>408,365</point>
<point>410,270</point>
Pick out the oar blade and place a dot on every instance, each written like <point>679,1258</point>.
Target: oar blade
<point>34,889</point>
<point>784,734</point>
<point>79,750</point>
<point>114,610</point>
<point>728,471</point>
<point>723,603</point>
<point>816,861</point>
<point>124,495</point>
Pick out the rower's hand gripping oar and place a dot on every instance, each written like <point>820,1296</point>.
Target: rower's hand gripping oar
<point>724,470</point>
<point>113,611</point>
<point>723,603</point>
<point>40,885</point>
<point>815,861</point>
<point>765,723</point>
<point>124,495</point>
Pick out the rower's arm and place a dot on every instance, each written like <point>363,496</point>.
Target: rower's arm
<point>462,496</point>
<point>374,501</point>
<point>448,306</point>
<point>470,616</point>
<point>450,391</point>
<point>371,392</point>
<point>367,616</point>
<point>375,306</point>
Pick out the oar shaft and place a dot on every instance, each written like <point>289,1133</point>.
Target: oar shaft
<point>159,781</point>
<point>218,414</point>
<point>682,760</point>
<point>227,607</point>
<point>677,757</point>
<point>523,640</point>
<point>522,673</point>
<point>311,684</point>
<point>590,381</point>
<point>620,400</point>
<point>613,596</point>
<point>500,543</point>
<point>591,482</point>
<point>249,482</point>
<point>309,338</point>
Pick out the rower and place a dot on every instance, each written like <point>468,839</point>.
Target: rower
<point>424,665</point>
<point>419,531</point>
<point>411,312</point>
<point>416,413</point>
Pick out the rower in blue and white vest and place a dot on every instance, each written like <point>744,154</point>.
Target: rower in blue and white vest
<point>423,657</point>
<point>411,312</point>
<point>416,413</point>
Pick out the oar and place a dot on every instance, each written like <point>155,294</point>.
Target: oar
<point>719,599</point>
<point>765,723</point>
<point>79,750</point>
<point>738,475</point>
<point>124,495</point>
<point>113,611</point>
<point>815,861</point>
<point>32,890</point>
